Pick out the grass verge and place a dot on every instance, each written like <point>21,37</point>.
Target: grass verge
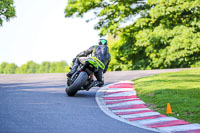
<point>180,89</point>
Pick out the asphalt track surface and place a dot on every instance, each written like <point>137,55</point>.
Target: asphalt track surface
<point>37,103</point>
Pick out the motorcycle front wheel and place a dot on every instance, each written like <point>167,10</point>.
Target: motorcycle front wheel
<point>77,84</point>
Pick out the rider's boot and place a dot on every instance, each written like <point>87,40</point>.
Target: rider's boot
<point>94,83</point>
<point>74,68</point>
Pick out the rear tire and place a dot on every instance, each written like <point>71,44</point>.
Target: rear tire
<point>78,83</point>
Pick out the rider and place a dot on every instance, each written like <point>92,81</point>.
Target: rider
<point>100,54</point>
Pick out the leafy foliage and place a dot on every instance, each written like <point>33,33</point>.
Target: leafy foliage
<point>166,35</point>
<point>58,67</point>
<point>32,67</point>
<point>167,38</point>
<point>29,67</point>
<point>111,13</point>
<point>6,68</point>
<point>7,10</point>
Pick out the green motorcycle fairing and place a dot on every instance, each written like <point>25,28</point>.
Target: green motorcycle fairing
<point>93,63</point>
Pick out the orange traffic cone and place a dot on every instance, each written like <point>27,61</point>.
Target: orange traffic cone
<point>169,110</point>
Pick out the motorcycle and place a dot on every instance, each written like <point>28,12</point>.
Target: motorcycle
<point>82,78</point>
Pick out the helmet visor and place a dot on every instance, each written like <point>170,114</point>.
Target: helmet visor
<point>103,42</point>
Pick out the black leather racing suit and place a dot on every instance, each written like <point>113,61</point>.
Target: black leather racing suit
<point>102,53</point>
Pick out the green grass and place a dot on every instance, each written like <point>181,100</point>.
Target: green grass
<point>180,89</point>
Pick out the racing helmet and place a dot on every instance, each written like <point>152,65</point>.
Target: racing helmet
<point>103,42</point>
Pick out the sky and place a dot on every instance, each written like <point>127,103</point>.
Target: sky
<point>40,32</point>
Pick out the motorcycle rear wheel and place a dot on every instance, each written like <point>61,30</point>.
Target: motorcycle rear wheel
<point>78,83</point>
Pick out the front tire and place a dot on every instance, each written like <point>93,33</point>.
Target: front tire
<point>78,83</point>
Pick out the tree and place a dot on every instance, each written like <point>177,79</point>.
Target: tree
<point>166,35</point>
<point>29,67</point>
<point>10,68</point>
<point>7,10</point>
<point>7,68</point>
<point>32,67</point>
<point>110,13</point>
<point>52,68</point>
<point>45,67</point>
<point>62,67</point>
<point>2,67</point>
<point>59,67</point>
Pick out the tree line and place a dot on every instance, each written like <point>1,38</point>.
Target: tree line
<point>166,34</point>
<point>32,67</point>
